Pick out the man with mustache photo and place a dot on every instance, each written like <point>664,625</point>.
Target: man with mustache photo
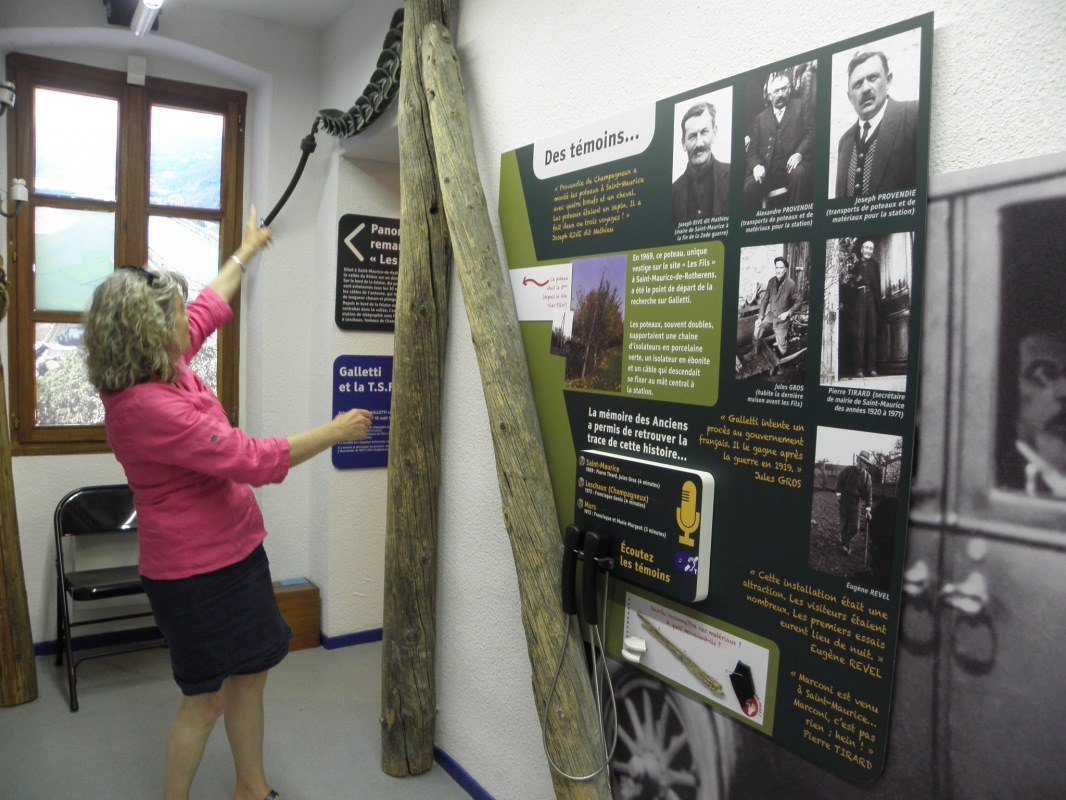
<point>779,148</point>
<point>1041,426</point>
<point>1030,438</point>
<point>703,188</point>
<point>878,153</point>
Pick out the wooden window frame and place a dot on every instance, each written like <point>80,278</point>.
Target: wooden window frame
<point>132,211</point>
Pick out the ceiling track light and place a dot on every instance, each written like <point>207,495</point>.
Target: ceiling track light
<point>140,16</point>
<point>144,17</point>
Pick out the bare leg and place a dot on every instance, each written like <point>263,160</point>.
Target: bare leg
<point>188,737</point>
<point>244,728</point>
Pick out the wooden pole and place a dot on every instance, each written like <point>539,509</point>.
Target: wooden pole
<point>408,687</point>
<point>572,728</point>
<point>18,672</point>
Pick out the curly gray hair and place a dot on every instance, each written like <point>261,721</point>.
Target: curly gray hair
<point>130,331</point>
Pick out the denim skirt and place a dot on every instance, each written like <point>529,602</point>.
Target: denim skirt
<point>220,623</point>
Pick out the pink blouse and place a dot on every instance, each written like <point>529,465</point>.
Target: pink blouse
<point>189,469</point>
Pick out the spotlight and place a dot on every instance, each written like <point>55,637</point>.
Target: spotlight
<point>145,15</point>
<point>140,16</point>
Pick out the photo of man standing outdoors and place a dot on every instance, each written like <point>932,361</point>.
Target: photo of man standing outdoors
<point>854,499</point>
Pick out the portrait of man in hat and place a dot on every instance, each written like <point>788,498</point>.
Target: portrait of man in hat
<point>854,491</point>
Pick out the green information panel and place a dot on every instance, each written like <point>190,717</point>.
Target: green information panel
<point>720,299</point>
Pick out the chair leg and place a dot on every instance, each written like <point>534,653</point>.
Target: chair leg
<point>72,683</point>
<point>60,629</point>
<point>59,616</point>
<point>72,675</point>
<point>59,639</point>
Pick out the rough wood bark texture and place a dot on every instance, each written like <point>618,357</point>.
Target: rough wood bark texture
<point>572,728</point>
<point>18,673</point>
<point>408,688</point>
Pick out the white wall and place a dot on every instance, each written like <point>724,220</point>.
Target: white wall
<point>530,70</point>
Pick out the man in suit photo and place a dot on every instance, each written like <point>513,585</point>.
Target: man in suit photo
<point>703,188</point>
<point>779,148</point>
<point>878,153</point>
<point>779,302</point>
<point>860,300</point>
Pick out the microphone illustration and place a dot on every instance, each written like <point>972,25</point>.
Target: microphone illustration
<point>688,518</point>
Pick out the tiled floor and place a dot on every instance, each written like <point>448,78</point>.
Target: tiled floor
<point>322,738</point>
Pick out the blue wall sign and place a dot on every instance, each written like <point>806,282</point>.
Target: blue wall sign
<point>364,382</point>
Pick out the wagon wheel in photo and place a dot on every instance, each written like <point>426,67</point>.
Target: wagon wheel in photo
<point>669,747</point>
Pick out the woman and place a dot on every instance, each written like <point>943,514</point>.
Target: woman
<point>200,530</point>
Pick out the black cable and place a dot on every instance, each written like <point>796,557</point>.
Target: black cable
<point>384,84</point>
<point>308,146</point>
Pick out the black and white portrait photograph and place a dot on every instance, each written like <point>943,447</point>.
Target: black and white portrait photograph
<point>1031,423</point>
<point>854,503</point>
<point>773,312</point>
<point>779,138</point>
<point>701,168</point>
<point>867,309</point>
<point>874,117</point>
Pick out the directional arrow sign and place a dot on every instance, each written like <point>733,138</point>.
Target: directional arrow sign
<point>348,240</point>
<point>368,261</point>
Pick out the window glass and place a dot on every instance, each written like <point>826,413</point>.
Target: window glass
<point>205,364</point>
<point>186,158</point>
<point>64,394</point>
<point>189,246</point>
<point>117,173</point>
<point>74,253</point>
<point>76,144</point>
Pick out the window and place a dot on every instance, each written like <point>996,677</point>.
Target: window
<point>117,174</point>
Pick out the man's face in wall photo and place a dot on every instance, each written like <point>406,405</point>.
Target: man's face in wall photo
<point>780,89</point>
<point>868,86</point>
<point>697,138</point>
<point>1042,396</point>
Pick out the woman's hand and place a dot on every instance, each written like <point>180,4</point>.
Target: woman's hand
<point>254,235</point>
<point>348,426</point>
<point>229,277</point>
<point>351,426</point>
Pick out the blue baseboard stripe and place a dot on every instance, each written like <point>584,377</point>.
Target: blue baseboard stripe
<point>460,775</point>
<point>348,639</point>
<point>95,640</point>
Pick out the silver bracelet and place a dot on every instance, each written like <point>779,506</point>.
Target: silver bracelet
<point>238,262</point>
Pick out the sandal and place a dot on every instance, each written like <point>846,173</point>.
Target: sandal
<point>272,796</point>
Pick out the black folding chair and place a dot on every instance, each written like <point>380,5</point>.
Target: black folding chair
<point>92,511</point>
